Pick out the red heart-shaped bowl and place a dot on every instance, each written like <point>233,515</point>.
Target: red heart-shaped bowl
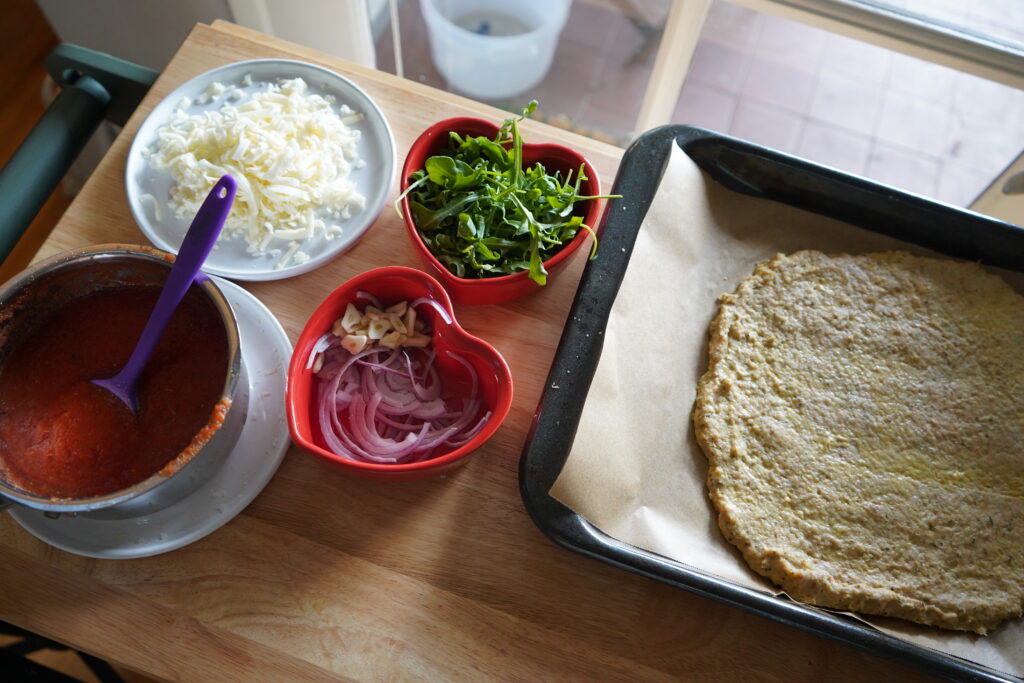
<point>391,285</point>
<point>493,290</point>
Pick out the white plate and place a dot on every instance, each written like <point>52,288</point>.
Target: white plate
<point>229,258</point>
<point>247,469</point>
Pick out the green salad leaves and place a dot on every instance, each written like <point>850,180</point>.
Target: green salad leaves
<point>483,215</point>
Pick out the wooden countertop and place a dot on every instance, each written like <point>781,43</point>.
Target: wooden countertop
<point>325,576</point>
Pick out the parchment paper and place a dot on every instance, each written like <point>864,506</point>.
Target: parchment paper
<point>635,470</point>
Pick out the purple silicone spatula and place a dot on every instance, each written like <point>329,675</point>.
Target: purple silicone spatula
<point>194,249</point>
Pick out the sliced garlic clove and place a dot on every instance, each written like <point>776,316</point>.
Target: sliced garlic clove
<point>354,343</point>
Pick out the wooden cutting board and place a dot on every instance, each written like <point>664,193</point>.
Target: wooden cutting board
<point>324,576</point>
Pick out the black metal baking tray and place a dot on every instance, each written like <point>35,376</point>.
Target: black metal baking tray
<point>760,172</point>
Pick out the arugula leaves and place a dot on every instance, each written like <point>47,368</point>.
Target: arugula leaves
<point>483,215</point>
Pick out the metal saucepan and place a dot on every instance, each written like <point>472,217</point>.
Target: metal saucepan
<point>26,299</point>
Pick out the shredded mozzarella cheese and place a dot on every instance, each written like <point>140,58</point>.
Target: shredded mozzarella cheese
<point>290,152</point>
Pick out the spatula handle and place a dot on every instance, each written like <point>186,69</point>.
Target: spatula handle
<point>196,246</point>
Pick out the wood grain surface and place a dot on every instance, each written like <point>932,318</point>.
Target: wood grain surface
<point>324,576</point>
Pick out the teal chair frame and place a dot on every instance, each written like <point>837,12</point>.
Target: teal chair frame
<point>93,87</point>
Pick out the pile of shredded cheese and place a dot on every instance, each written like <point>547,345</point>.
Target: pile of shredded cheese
<point>290,152</point>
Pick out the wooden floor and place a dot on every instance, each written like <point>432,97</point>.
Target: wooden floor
<point>25,39</point>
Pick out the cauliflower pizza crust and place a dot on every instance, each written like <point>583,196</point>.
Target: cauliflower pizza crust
<point>863,419</point>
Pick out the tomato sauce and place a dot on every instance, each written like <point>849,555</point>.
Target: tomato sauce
<point>61,436</point>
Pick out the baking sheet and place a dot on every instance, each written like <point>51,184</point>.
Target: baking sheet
<point>634,470</point>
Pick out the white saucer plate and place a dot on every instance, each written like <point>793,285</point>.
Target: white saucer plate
<point>245,472</point>
<point>229,258</point>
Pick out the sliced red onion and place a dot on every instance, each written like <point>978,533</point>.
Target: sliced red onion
<point>423,391</point>
<point>436,306</point>
<point>366,296</point>
<point>380,367</point>
<point>388,406</point>
<point>469,368</point>
<point>319,346</point>
<point>463,439</point>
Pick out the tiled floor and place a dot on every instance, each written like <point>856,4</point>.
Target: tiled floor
<point>834,100</point>
<point>848,104</point>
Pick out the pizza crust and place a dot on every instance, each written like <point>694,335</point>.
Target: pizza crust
<point>863,419</point>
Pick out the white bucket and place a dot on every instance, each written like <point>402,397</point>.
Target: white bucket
<point>494,49</point>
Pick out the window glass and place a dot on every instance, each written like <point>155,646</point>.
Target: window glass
<point>601,63</point>
<point>802,90</point>
<point>996,20</point>
<point>851,105</point>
